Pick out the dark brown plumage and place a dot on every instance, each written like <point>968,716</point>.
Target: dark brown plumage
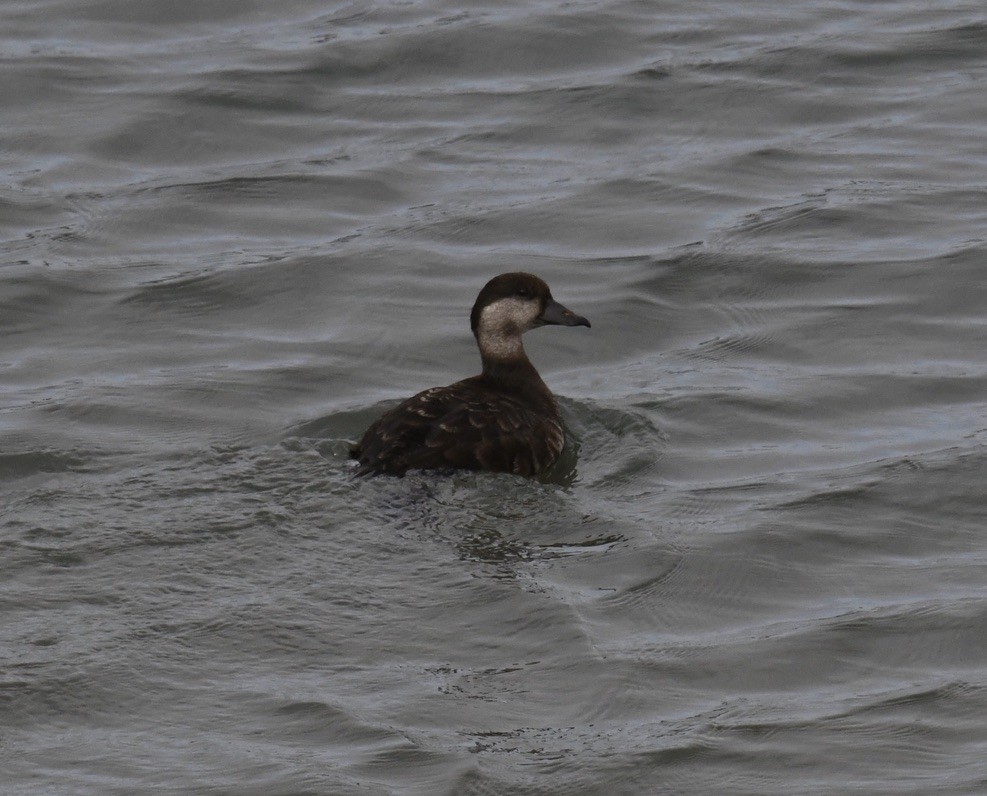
<point>503,420</point>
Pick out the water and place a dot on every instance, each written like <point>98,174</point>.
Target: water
<point>233,233</point>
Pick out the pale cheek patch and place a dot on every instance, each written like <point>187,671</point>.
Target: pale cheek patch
<point>501,325</point>
<point>500,345</point>
<point>509,315</point>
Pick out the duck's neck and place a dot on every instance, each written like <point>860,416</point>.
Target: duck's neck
<point>509,371</point>
<point>506,366</point>
<point>498,344</point>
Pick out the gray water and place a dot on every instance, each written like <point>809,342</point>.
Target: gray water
<point>234,232</point>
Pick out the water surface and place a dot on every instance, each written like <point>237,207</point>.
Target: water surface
<point>231,234</point>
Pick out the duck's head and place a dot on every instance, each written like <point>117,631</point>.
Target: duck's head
<point>511,304</point>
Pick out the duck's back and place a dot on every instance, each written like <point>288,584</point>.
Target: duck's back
<point>469,425</point>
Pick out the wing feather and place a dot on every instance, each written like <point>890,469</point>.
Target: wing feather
<point>461,427</point>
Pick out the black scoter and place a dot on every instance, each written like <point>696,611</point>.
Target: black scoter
<point>504,420</point>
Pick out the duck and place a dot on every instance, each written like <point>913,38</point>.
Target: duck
<point>503,420</point>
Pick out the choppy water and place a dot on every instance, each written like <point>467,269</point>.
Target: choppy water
<point>231,232</point>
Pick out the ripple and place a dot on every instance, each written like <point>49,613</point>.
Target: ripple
<point>235,234</point>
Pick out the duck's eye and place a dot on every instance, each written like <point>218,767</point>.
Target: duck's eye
<point>524,293</point>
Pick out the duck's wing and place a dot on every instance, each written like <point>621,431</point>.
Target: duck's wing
<point>401,431</point>
<point>461,427</point>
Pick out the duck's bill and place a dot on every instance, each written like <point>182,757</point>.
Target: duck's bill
<point>555,313</point>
